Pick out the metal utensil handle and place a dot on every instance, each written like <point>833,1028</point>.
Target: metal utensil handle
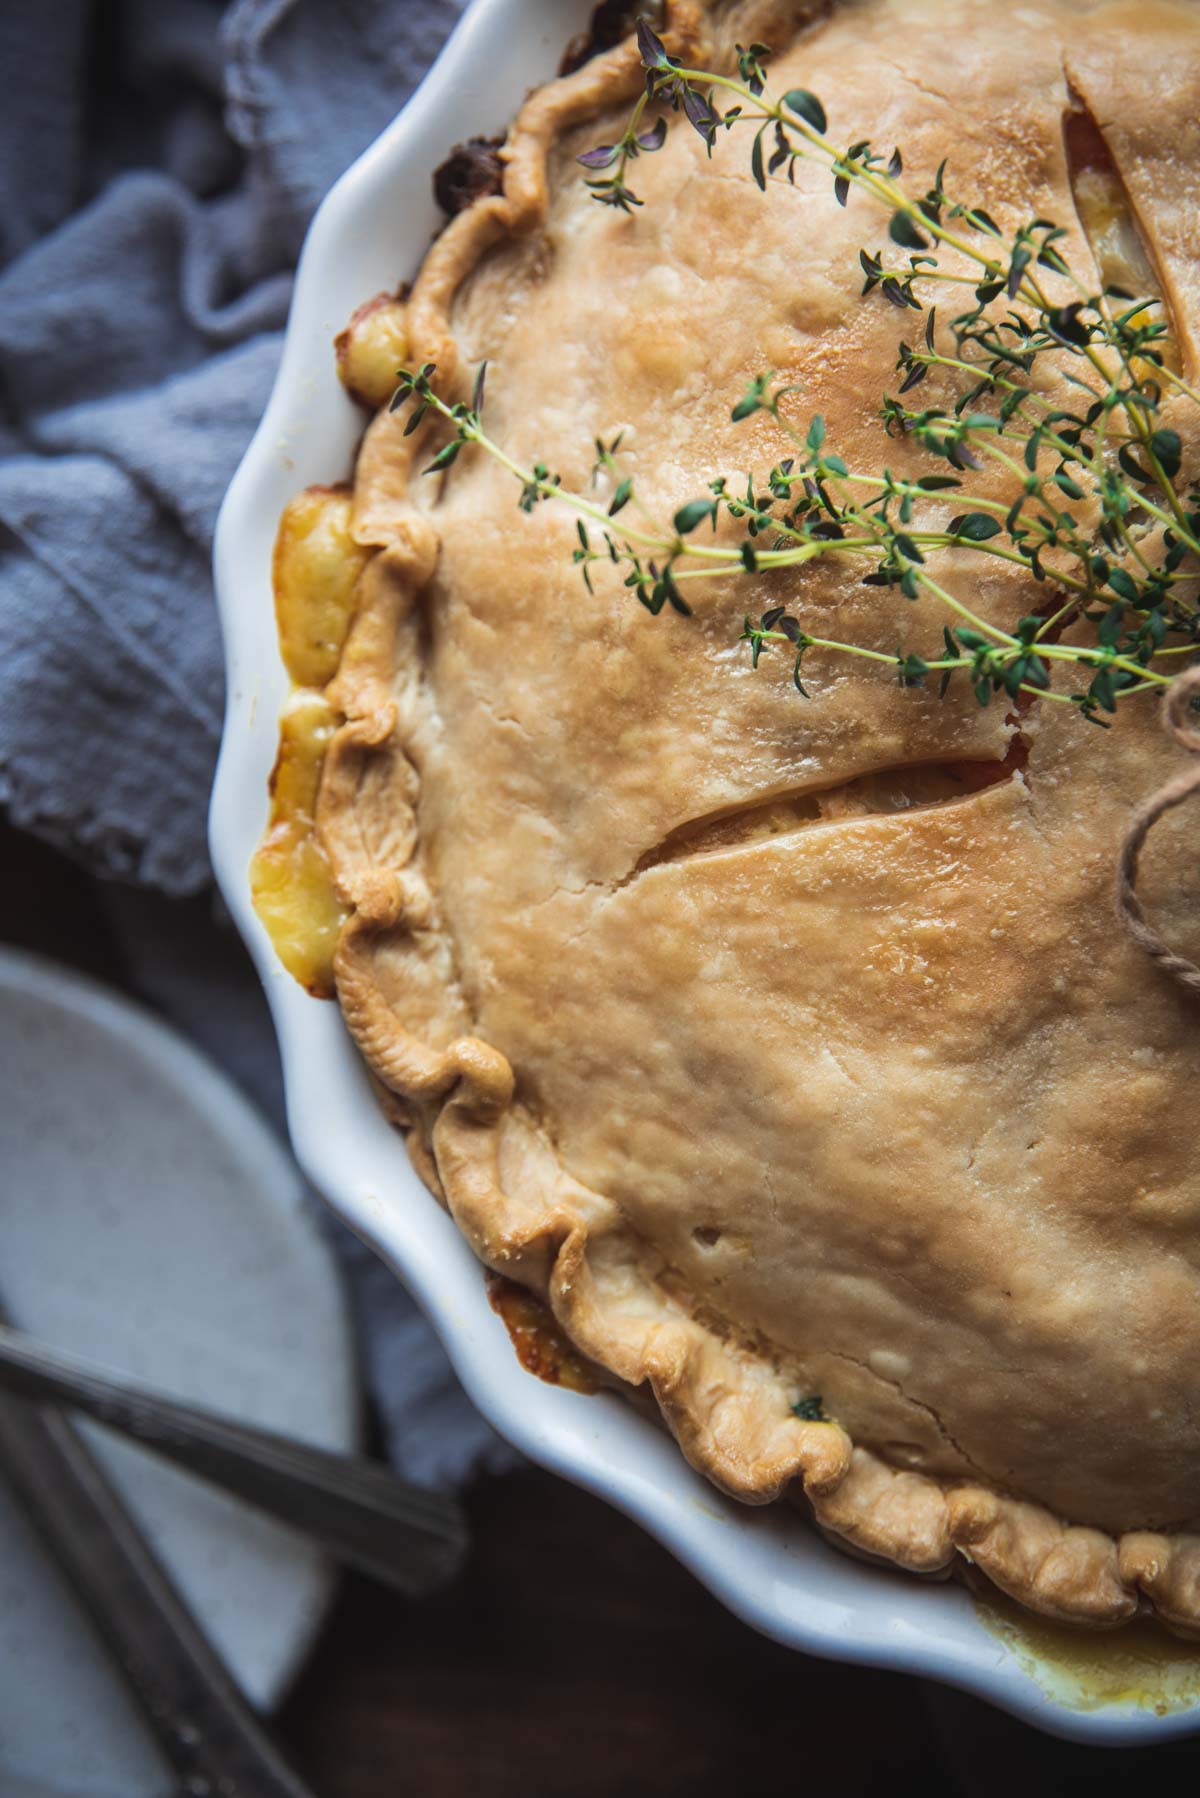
<point>210,1735</point>
<point>407,1537</point>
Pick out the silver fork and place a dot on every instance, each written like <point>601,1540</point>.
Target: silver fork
<point>407,1537</point>
<point>214,1741</point>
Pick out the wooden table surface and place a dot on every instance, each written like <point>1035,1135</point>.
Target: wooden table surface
<point>574,1658</point>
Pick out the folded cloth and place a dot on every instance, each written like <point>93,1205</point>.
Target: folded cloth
<point>158,167</point>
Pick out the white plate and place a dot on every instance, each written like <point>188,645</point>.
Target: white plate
<point>148,1219</point>
<point>371,231</point>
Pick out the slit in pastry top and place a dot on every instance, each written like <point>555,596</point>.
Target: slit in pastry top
<point>883,791</point>
<point>1108,218</point>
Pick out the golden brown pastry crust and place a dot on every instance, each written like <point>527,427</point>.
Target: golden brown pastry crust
<point>882,1108</point>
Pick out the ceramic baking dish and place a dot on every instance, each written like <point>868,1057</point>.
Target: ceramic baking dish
<point>767,1566</point>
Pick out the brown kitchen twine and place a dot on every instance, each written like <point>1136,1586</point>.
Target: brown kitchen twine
<point>1180,722</point>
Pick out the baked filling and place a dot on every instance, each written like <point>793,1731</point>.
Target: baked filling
<point>785,1044</point>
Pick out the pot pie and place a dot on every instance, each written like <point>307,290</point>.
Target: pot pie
<point>787,1047</point>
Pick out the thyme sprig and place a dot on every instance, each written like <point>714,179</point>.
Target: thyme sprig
<point>613,189</point>
<point>1098,517</point>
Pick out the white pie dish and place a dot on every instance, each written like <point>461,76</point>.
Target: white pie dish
<point>770,1569</point>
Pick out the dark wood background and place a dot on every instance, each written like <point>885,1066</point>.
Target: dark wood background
<point>575,1658</point>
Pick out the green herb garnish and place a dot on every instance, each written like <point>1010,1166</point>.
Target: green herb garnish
<point>1097,514</point>
<point>811,1409</point>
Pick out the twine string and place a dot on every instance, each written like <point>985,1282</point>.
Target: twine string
<point>1180,722</point>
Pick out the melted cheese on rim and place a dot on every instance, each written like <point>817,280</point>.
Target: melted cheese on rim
<point>315,572</point>
<point>289,876</point>
<point>371,350</point>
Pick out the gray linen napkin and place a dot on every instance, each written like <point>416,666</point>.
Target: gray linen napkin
<point>159,162</point>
